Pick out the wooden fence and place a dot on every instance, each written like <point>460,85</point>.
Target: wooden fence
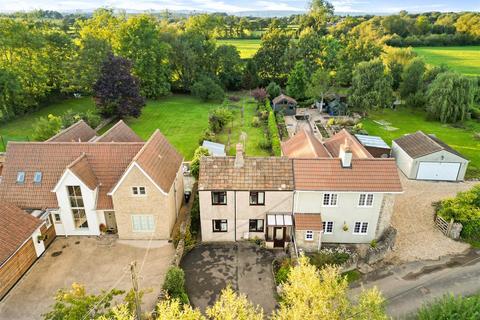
<point>444,226</point>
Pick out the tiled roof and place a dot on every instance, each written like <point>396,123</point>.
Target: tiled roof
<point>159,159</point>
<point>333,145</point>
<point>304,145</point>
<point>108,161</point>
<point>16,226</point>
<point>305,221</point>
<point>120,132</point>
<point>419,144</point>
<point>284,97</point>
<point>77,132</point>
<point>269,173</point>
<point>364,175</point>
<point>82,169</point>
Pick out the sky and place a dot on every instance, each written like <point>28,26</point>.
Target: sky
<point>374,6</point>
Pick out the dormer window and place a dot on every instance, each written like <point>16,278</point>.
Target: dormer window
<point>20,177</point>
<point>37,177</point>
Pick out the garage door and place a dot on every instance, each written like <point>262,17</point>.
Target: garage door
<point>445,171</point>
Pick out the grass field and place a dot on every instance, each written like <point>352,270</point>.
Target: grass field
<point>247,47</point>
<point>407,120</point>
<point>22,128</point>
<point>181,118</point>
<point>465,60</point>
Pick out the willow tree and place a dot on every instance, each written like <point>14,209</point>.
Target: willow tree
<point>450,96</point>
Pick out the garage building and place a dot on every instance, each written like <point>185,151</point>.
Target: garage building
<point>21,243</point>
<point>425,157</point>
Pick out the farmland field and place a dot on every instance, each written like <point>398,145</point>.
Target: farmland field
<point>465,60</point>
<point>247,47</point>
<point>392,124</point>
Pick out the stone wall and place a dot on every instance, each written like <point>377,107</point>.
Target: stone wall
<point>384,244</point>
<point>385,216</point>
<point>308,245</point>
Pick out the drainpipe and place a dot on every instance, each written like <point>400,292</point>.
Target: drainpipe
<point>235,214</point>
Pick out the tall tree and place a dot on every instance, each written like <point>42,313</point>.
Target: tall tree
<point>320,84</point>
<point>395,59</point>
<point>450,96</point>
<point>117,91</point>
<point>250,77</point>
<point>318,16</point>
<point>297,81</point>
<point>412,78</point>
<point>228,66</point>
<point>139,41</point>
<point>270,56</point>
<point>371,86</point>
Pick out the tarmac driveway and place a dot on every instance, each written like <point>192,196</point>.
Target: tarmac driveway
<point>247,267</point>
<point>97,263</point>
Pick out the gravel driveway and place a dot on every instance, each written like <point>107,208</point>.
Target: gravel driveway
<point>418,238</point>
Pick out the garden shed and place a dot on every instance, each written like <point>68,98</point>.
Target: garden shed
<point>425,157</point>
<point>285,105</point>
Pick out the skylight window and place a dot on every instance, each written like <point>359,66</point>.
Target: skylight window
<point>37,178</point>
<point>20,177</point>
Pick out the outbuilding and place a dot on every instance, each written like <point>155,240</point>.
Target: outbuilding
<point>425,157</point>
<point>285,105</point>
<point>215,149</point>
<point>21,243</point>
<point>374,145</point>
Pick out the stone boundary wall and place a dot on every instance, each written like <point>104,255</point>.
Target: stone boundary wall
<point>385,243</point>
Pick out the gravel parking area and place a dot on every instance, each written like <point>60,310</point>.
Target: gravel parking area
<point>418,238</point>
<point>97,263</point>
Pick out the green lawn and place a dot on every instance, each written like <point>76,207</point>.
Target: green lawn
<point>465,60</point>
<point>408,120</point>
<point>247,47</point>
<point>183,119</point>
<point>22,128</point>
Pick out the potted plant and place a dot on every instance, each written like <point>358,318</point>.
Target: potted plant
<point>41,238</point>
<point>345,227</point>
<point>103,228</point>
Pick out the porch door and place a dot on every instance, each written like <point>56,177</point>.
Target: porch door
<point>279,237</point>
<point>110,221</point>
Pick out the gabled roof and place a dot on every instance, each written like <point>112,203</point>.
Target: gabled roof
<point>333,145</point>
<point>107,161</point>
<point>304,221</point>
<point>269,173</point>
<point>419,144</point>
<point>364,175</point>
<point>120,132</point>
<point>160,161</point>
<point>16,226</point>
<point>77,132</point>
<point>304,145</point>
<point>282,97</point>
<point>82,169</point>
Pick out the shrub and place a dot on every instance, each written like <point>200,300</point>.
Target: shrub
<point>282,270</point>
<point>464,208</point>
<point>451,307</point>
<point>256,122</point>
<point>195,164</point>
<point>475,113</point>
<point>260,95</point>
<point>70,117</point>
<point>265,144</point>
<point>234,98</point>
<point>174,284</point>
<point>218,118</point>
<point>273,90</point>
<point>331,122</point>
<point>46,127</point>
<point>195,216</point>
<point>207,135</point>
<point>207,90</point>
<point>335,257</point>
<point>282,126</point>
<point>264,115</point>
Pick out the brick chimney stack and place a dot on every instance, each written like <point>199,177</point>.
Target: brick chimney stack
<point>239,160</point>
<point>346,154</point>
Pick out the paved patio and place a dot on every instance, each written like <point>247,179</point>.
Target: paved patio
<point>418,238</point>
<point>96,263</point>
<point>247,267</point>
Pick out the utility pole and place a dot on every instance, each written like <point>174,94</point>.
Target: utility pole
<point>133,270</point>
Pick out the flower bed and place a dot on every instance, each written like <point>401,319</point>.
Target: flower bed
<point>330,256</point>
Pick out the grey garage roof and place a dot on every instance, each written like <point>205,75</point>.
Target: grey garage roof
<point>372,141</point>
<point>419,144</point>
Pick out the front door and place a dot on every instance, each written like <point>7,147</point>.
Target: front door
<point>110,221</point>
<point>278,237</point>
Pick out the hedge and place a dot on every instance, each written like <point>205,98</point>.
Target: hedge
<point>274,135</point>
